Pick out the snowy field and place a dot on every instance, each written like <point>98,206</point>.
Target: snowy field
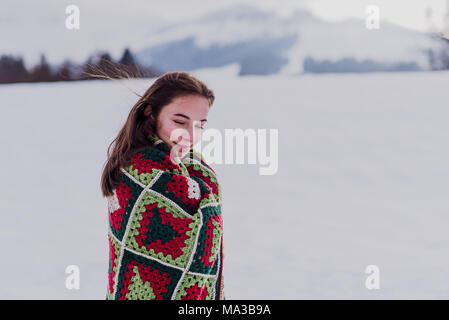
<point>363,179</point>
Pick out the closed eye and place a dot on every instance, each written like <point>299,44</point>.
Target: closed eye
<point>179,122</point>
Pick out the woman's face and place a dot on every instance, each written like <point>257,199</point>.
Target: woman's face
<point>188,113</point>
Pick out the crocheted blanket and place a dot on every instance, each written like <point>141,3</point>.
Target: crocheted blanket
<point>165,229</point>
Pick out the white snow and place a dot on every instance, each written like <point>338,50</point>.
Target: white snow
<point>363,180</point>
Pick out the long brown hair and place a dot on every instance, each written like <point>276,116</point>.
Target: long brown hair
<point>134,133</point>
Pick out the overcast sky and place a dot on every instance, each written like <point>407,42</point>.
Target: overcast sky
<point>408,13</point>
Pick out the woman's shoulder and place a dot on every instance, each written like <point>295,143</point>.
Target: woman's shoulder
<point>155,153</point>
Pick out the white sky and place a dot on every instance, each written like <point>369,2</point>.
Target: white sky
<point>407,13</point>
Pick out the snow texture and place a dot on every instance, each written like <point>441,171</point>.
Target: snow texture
<point>362,180</point>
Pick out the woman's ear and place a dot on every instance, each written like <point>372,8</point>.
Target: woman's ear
<point>147,111</point>
<point>150,117</point>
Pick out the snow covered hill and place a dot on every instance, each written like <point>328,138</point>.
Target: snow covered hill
<point>265,43</point>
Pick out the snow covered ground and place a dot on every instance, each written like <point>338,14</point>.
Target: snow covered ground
<point>363,179</point>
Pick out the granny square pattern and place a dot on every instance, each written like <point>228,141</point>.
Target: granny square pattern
<point>165,230</point>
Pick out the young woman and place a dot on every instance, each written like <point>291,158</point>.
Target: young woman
<point>164,201</point>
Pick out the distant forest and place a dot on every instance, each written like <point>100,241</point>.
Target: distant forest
<point>252,59</point>
<point>13,70</point>
<point>438,59</point>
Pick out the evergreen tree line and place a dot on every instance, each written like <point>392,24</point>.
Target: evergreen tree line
<point>439,58</point>
<point>13,70</point>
